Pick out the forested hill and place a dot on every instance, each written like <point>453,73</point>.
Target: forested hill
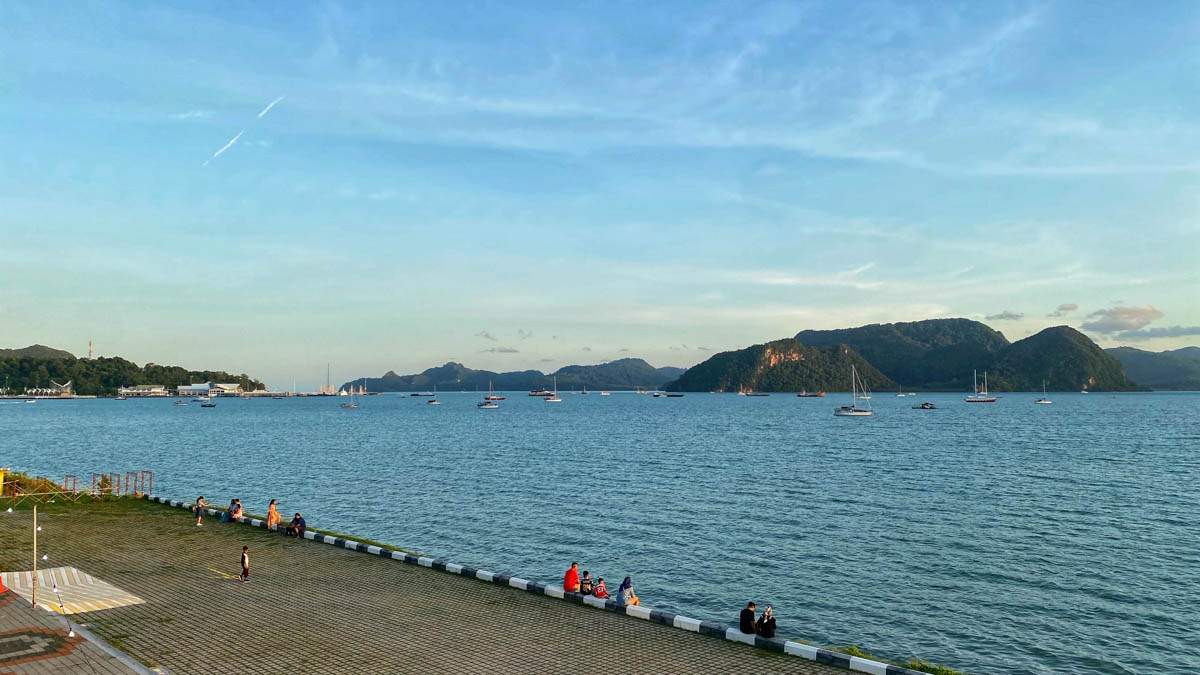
<point>1177,369</point>
<point>935,355</point>
<point>36,352</point>
<point>100,376</point>
<point>782,365</point>
<point>617,375</point>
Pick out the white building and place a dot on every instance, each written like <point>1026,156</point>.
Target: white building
<point>143,390</point>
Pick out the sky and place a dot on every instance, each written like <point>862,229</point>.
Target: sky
<point>268,188</point>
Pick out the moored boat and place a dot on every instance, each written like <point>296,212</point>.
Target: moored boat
<point>980,396</point>
<point>853,410</point>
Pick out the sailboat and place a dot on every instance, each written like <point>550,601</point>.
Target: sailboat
<point>553,398</point>
<point>901,393</point>
<point>1043,400</point>
<point>853,410</point>
<point>433,401</point>
<point>980,396</point>
<point>490,396</point>
<point>352,403</point>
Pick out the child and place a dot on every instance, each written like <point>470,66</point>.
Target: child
<point>245,564</point>
<point>585,584</point>
<point>600,592</point>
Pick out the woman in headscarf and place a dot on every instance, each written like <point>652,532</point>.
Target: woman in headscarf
<point>625,596</point>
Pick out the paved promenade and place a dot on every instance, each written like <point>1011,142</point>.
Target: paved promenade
<point>40,643</point>
<point>311,607</point>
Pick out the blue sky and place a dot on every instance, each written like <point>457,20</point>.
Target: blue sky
<point>530,185</point>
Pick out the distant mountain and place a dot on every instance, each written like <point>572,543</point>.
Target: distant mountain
<point>36,352</point>
<point>933,354</point>
<point>1177,369</point>
<point>782,365</point>
<point>1065,358</point>
<point>616,375</point>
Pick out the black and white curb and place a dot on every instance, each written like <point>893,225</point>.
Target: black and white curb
<point>555,591</point>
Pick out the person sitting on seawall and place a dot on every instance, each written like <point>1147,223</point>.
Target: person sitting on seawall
<point>571,579</point>
<point>235,511</point>
<point>272,517</point>
<point>600,591</point>
<point>625,595</point>
<point>228,512</point>
<point>766,623</point>
<point>296,527</point>
<point>746,621</point>
<point>585,584</point>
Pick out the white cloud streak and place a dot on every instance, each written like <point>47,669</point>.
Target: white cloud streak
<point>269,106</point>
<point>228,145</point>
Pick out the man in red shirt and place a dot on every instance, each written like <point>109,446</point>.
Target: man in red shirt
<point>571,579</point>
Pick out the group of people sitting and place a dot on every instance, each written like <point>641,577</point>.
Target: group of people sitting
<point>573,583</point>
<point>764,626</point>
<point>231,514</point>
<point>295,528</point>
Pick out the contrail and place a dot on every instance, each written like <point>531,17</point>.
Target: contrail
<point>229,144</point>
<point>269,106</point>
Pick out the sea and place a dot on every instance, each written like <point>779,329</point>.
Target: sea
<point>992,538</point>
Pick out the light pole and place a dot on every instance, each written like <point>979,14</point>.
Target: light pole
<point>35,529</point>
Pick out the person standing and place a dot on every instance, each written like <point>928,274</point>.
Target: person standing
<point>272,517</point>
<point>766,623</point>
<point>571,579</point>
<point>746,623</point>
<point>199,507</point>
<point>245,564</point>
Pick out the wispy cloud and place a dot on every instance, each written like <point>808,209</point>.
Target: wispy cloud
<point>1063,310</point>
<point>1151,333</point>
<point>586,349</point>
<point>486,335</point>
<point>225,147</point>
<point>192,115</point>
<point>524,334</point>
<point>1004,316</point>
<point>269,106</point>
<point>498,350</point>
<point>1126,319</point>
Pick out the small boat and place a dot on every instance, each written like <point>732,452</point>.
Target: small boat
<point>487,405</point>
<point>815,394</point>
<point>1082,391</point>
<point>925,406</point>
<point>121,398</point>
<point>584,392</point>
<point>208,404</point>
<point>754,393</point>
<point>853,410</point>
<point>540,392</point>
<point>353,403</point>
<point>605,393</point>
<point>179,403</point>
<point>658,394</point>
<point>276,398</point>
<point>1043,400</point>
<point>433,401</point>
<point>674,395</point>
<point>490,396</point>
<point>980,396</point>
<point>423,393</point>
<point>349,405</point>
<point>31,400</point>
<point>553,398</point>
<point>901,393</point>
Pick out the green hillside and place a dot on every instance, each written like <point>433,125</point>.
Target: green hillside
<point>781,366</point>
<point>36,352</point>
<point>932,354</point>
<point>1065,358</point>
<point>102,376</point>
<point>1177,369</point>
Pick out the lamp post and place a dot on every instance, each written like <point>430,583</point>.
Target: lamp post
<point>35,529</point>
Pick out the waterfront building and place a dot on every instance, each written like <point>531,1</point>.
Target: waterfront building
<point>55,390</point>
<point>143,390</point>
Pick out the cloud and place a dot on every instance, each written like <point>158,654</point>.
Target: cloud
<point>1004,316</point>
<point>623,349</point>
<point>704,349</point>
<point>545,360</point>
<point>1151,333</point>
<point>524,334</point>
<point>678,348</point>
<point>486,335</point>
<point>1121,319</point>
<point>587,349</point>
<point>498,350</point>
<point>228,145</point>
<point>192,115</point>
<point>1063,310</point>
<point>269,106</point>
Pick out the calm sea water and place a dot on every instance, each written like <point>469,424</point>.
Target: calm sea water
<point>994,538</point>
